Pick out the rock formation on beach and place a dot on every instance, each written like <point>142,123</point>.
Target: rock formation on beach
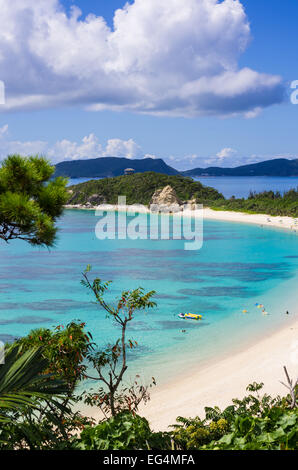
<point>165,198</point>
<point>166,195</point>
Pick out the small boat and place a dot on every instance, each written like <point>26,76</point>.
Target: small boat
<point>190,316</point>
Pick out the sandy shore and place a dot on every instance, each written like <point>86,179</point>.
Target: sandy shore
<point>227,378</point>
<point>286,223</point>
<point>218,383</point>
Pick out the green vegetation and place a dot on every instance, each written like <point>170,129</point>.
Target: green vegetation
<point>29,202</point>
<point>42,370</point>
<point>126,431</point>
<point>39,379</point>
<point>254,423</point>
<point>37,388</point>
<point>108,167</point>
<point>268,202</point>
<point>111,363</point>
<point>139,189</point>
<point>23,380</point>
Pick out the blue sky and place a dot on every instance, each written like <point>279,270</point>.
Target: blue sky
<point>187,129</point>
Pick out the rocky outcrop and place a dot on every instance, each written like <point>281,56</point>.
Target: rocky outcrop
<point>165,200</point>
<point>167,196</point>
<point>73,196</point>
<point>96,200</point>
<point>89,201</point>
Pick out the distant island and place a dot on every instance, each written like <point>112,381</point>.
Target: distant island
<point>155,188</point>
<point>277,167</point>
<point>108,167</point>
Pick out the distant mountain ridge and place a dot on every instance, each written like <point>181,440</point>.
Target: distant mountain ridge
<point>113,166</point>
<point>277,167</point>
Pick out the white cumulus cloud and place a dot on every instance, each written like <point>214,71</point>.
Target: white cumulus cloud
<point>225,153</point>
<point>173,57</point>
<point>120,148</point>
<point>64,149</point>
<point>88,147</point>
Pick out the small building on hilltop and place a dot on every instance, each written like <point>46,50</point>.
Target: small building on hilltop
<point>129,171</point>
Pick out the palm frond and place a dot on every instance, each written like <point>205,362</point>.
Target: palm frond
<point>23,382</point>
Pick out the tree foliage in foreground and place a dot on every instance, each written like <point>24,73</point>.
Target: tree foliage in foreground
<point>65,354</point>
<point>37,388</point>
<point>254,423</point>
<point>110,364</point>
<point>125,431</point>
<point>23,381</point>
<point>38,396</point>
<point>30,202</point>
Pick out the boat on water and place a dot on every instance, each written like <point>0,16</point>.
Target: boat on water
<point>190,316</point>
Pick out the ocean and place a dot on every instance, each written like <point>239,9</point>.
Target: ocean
<point>238,266</point>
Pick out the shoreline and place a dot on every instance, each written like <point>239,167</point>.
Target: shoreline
<point>218,379</point>
<point>282,222</point>
<point>217,383</point>
<point>263,220</point>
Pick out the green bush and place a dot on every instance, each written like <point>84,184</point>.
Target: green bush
<point>276,431</point>
<point>267,202</point>
<point>254,423</point>
<point>123,432</point>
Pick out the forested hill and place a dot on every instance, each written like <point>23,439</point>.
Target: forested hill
<point>111,166</point>
<point>139,189</point>
<point>277,167</point>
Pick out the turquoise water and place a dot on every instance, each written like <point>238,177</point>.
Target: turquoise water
<point>238,266</point>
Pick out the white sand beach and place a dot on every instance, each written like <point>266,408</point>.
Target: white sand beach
<point>282,222</point>
<point>287,223</point>
<point>228,378</point>
<point>217,383</point>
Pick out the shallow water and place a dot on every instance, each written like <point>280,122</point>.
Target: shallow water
<point>238,266</point>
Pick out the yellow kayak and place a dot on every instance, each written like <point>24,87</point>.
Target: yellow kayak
<point>190,316</point>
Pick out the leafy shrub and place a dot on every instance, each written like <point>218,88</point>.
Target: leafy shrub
<point>254,423</point>
<point>276,431</point>
<point>122,432</point>
<point>193,433</point>
<point>65,349</point>
<point>267,202</point>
